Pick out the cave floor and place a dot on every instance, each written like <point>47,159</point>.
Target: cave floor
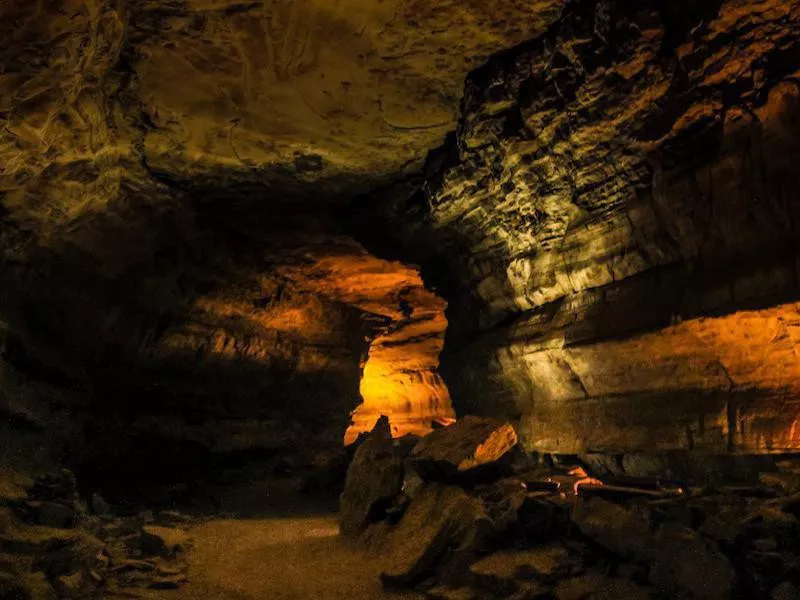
<point>284,558</point>
<point>292,554</point>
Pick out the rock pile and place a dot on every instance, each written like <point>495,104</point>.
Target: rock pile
<point>53,546</point>
<point>463,514</point>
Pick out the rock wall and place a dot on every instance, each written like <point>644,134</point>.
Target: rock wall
<point>614,226</point>
<point>239,342</point>
<point>169,173</point>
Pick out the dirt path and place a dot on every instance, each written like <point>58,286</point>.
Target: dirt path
<point>286,558</point>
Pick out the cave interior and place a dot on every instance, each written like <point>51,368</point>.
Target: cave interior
<point>448,300</point>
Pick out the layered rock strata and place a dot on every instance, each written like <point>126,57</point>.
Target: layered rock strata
<point>614,226</point>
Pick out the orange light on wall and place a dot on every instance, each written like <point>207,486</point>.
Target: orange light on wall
<point>400,378</point>
<point>412,400</point>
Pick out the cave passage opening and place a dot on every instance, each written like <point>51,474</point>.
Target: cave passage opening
<point>400,377</point>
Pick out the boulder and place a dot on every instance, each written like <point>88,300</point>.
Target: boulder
<point>171,518</point>
<point>13,487</point>
<point>542,515</point>
<point>502,501</point>
<point>374,480</point>
<point>9,564</point>
<point>20,540</point>
<point>163,541</point>
<point>785,477</point>
<point>6,519</point>
<point>625,530</point>
<point>602,465</point>
<point>501,572</point>
<point>448,593</point>
<point>520,516</point>
<point>99,506</point>
<point>71,586</point>
<point>167,582</point>
<point>38,588</point>
<point>55,487</point>
<point>472,443</point>
<point>54,514</point>
<point>65,556</point>
<point>443,529</point>
<point>764,570</point>
<point>688,562</point>
<point>412,483</point>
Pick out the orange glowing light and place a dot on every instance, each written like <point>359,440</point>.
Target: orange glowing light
<point>400,378</point>
<point>584,479</point>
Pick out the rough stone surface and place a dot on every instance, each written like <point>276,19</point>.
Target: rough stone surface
<point>687,562</point>
<point>471,443</point>
<point>622,529</point>
<point>443,524</point>
<point>374,480</point>
<point>12,588</point>
<point>544,562</point>
<point>613,225</point>
<point>163,541</point>
<point>595,586</point>
<point>170,176</point>
<point>785,591</point>
<point>611,218</point>
<point>502,539</point>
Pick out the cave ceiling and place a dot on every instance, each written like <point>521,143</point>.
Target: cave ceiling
<point>167,171</point>
<point>343,92</point>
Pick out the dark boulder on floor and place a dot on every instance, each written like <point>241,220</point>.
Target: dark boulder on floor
<point>785,591</point>
<point>374,481</point>
<point>443,529</point>
<point>595,586</point>
<point>512,571</point>
<point>12,588</point>
<point>689,563</point>
<point>624,530</point>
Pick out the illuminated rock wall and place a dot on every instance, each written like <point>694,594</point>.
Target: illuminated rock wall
<point>614,227</point>
<point>401,378</point>
<point>620,187</point>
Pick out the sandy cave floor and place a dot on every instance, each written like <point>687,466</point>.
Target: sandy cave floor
<point>284,558</point>
<point>272,544</point>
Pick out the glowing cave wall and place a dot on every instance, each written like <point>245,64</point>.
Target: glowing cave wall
<point>400,377</point>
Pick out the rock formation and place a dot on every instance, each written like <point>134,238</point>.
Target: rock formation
<point>236,233</point>
<point>601,194</point>
<point>539,532</point>
<point>614,228</point>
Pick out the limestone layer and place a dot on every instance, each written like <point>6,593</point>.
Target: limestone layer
<point>614,226</point>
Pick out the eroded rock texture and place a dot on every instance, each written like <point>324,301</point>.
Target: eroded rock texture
<point>615,224</point>
<point>236,344</point>
<point>166,190</point>
<point>612,225</point>
<point>97,96</point>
